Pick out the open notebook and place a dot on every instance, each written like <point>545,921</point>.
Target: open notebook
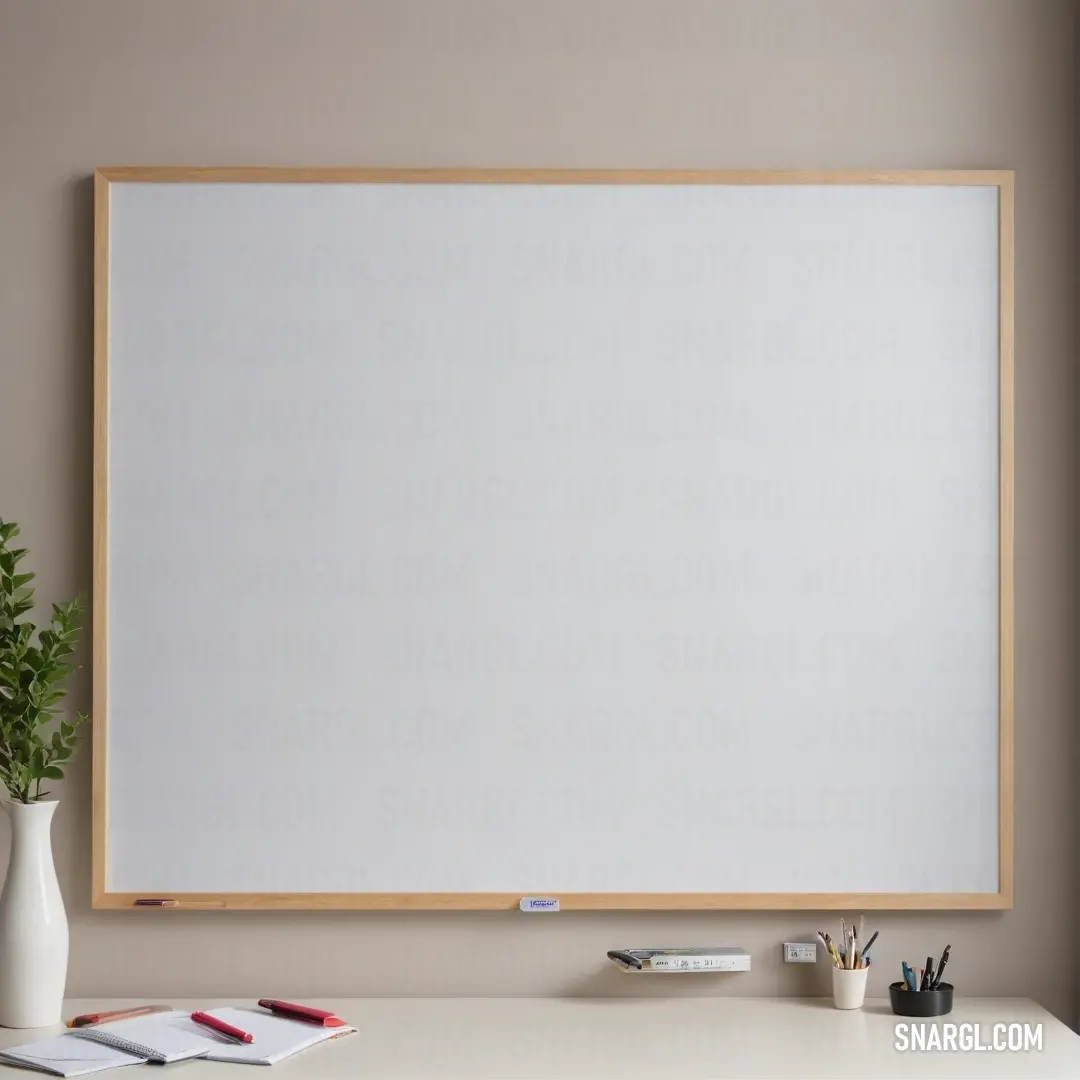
<point>67,1056</point>
<point>275,1037</point>
<point>161,1038</point>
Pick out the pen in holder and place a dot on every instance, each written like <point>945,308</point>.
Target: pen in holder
<point>850,964</point>
<point>921,992</point>
<point>849,987</point>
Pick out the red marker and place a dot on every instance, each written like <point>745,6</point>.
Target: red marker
<point>301,1012</point>
<point>222,1028</point>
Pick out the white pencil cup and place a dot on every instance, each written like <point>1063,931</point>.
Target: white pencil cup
<point>849,987</point>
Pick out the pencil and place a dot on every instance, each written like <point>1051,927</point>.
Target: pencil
<point>89,1019</point>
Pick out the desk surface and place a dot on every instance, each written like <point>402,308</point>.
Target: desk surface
<point>629,1038</point>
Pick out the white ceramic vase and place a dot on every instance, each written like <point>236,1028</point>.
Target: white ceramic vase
<point>33,923</point>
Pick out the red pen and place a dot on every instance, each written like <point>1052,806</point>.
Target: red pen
<point>230,1032</point>
<point>301,1012</point>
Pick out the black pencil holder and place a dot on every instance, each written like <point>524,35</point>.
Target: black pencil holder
<point>921,1002</point>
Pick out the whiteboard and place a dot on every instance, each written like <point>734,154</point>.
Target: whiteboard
<point>638,544</point>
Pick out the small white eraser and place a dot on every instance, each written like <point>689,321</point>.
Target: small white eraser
<point>538,903</point>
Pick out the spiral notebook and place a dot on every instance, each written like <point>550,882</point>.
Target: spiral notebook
<point>68,1056</point>
<point>161,1039</point>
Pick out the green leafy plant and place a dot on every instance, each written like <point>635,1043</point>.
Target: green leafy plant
<point>32,748</point>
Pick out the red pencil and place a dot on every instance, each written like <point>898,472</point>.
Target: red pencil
<point>117,1014</point>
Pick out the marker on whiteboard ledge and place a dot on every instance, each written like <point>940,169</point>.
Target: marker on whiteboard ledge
<point>538,903</point>
<point>156,902</point>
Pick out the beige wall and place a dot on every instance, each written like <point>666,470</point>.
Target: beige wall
<point>767,83</point>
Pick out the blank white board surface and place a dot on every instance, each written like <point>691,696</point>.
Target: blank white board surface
<point>548,539</point>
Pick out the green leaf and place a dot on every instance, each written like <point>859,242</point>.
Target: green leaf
<point>51,772</point>
<point>19,606</point>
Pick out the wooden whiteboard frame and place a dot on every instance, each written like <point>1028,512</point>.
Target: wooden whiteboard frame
<point>104,178</point>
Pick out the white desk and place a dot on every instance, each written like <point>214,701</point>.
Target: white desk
<point>627,1038</point>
